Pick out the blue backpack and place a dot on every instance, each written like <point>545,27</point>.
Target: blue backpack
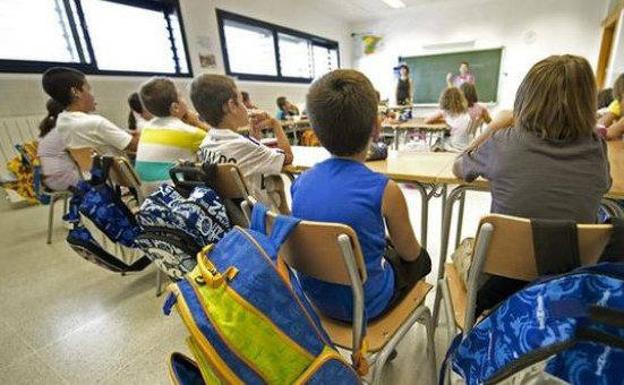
<point>564,329</point>
<point>176,227</point>
<point>247,319</point>
<point>104,230</point>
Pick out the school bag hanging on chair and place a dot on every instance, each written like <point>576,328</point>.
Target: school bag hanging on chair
<point>567,329</point>
<point>104,229</point>
<point>178,221</point>
<point>246,324</point>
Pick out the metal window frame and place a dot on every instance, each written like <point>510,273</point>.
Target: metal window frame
<point>167,7</point>
<point>222,16</point>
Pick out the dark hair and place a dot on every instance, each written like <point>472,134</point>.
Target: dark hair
<point>157,95</point>
<point>618,88</point>
<point>470,92</point>
<point>58,83</point>
<point>134,101</point>
<point>605,97</point>
<point>209,93</point>
<point>342,107</point>
<point>557,99</point>
<point>245,96</point>
<point>49,122</point>
<point>404,66</point>
<point>281,102</point>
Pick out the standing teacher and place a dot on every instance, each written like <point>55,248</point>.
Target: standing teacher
<point>465,76</point>
<point>404,87</point>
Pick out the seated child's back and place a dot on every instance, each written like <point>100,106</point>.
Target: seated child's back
<point>342,106</point>
<point>165,139</point>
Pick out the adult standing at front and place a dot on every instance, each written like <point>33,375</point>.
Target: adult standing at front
<point>404,87</point>
<point>465,76</point>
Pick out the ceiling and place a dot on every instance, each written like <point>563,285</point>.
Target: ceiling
<point>360,10</point>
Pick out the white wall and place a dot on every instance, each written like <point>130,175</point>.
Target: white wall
<point>22,95</point>
<point>557,26</point>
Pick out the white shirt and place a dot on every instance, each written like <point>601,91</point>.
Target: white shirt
<point>79,130</point>
<point>460,137</point>
<point>252,158</point>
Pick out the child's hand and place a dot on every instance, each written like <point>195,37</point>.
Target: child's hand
<point>263,121</point>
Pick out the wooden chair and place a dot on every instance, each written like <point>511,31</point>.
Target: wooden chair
<point>504,247</point>
<point>331,252</point>
<point>83,157</point>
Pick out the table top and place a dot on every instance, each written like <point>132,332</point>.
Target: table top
<point>616,161</point>
<point>423,167</point>
<point>415,123</point>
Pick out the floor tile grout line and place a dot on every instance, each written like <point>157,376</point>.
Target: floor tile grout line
<point>59,375</point>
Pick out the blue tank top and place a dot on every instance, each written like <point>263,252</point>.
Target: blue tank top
<point>346,191</point>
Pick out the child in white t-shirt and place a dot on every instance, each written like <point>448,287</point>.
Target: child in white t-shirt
<point>218,101</point>
<point>77,125</point>
<point>454,111</point>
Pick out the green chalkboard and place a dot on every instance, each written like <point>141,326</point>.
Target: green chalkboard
<point>429,72</point>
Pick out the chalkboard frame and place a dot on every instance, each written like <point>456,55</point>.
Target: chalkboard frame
<point>402,60</point>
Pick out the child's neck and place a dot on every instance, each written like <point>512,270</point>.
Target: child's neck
<point>359,157</point>
<point>76,108</point>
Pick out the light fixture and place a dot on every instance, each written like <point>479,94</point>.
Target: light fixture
<point>394,3</point>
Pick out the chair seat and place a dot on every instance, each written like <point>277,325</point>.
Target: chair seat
<point>379,331</point>
<point>459,295</point>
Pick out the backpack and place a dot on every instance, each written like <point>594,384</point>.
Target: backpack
<point>563,329</point>
<point>104,229</point>
<point>247,320</point>
<point>175,227</point>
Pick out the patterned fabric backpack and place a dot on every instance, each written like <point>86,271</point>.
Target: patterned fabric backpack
<point>567,329</point>
<point>247,325</point>
<point>175,227</point>
<point>104,230</point>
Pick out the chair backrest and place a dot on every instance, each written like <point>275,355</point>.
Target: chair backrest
<point>230,183</point>
<point>474,126</point>
<point>83,157</point>
<point>314,249</point>
<point>510,252</point>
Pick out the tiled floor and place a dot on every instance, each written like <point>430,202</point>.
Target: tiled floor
<point>66,321</point>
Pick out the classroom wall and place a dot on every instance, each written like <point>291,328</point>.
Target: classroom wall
<point>529,30</point>
<point>21,94</point>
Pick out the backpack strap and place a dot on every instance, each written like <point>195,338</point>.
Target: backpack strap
<point>282,226</point>
<point>614,251</point>
<point>555,245</point>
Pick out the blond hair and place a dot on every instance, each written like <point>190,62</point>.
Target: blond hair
<point>453,101</point>
<point>558,99</point>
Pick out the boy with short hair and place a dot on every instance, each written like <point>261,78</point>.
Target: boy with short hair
<point>342,106</point>
<point>285,109</point>
<point>172,135</point>
<point>218,101</point>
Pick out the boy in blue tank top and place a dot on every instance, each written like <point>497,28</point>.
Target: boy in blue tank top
<point>342,106</point>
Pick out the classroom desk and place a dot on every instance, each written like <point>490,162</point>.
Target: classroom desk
<point>414,124</point>
<point>419,169</point>
<point>290,127</point>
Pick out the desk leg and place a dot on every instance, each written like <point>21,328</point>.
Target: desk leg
<point>424,213</point>
<point>460,219</point>
<point>443,195</point>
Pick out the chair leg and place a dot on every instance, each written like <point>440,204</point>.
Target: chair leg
<point>65,201</point>
<point>50,220</point>
<point>159,282</point>
<point>431,355</point>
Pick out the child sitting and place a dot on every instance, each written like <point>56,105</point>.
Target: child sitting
<point>77,125</point>
<point>550,164</point>
<point>613,120</point>
<point>342,106</point>
<point>453,111</point>
<point>286,109</point>
<point>171,136</point>
<point>219,102</point>
<point>478,112</point>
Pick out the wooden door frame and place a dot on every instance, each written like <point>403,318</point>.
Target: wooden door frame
<point>609,25</point>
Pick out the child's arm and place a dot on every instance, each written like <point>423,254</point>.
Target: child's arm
<point>192,119</point>
<point>263,121</point>
<point>486,116</point>
<point>435,118</point>
<point>394,210</point>
<point>616,130</point>
<point>607,119</point>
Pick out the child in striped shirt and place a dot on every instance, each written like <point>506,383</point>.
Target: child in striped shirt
<point>174,134</point>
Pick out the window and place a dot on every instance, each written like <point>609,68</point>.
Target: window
<point>118,37</point>
<point>255,50</point>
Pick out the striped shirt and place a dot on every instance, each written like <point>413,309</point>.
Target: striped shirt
<point>163,142</point>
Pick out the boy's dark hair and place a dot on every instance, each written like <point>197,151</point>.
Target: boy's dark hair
<point>557,99</point>
<point>605,97</point>
<point>209,93</point>
<point>58,83</point>
<point>342,107</point>
<point>470,92</point>
<point>49,122</point>
<point>245,96</point>
<point>281,102</point>
<point>157,95</point>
